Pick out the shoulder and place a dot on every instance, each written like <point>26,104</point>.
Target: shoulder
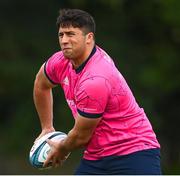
<point>55,66</point>
<point>91,96</point>
<point>94,85</point>
<point>102,53</point>
<point>56,56</point>
<point>101,63</point>
<point>56,59</point>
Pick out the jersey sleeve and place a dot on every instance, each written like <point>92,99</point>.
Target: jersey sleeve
<point>91,97</point>
<point>51,68</point>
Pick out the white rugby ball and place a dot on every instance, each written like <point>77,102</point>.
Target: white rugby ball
<point>41,148</point>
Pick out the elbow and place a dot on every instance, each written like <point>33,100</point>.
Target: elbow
<point>83,142</point>
<point>37,81</point>
<point>40,83</point>
<point>37,86</point>
<point>79,140</point>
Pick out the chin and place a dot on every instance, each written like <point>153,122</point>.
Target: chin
<point>68,56</point>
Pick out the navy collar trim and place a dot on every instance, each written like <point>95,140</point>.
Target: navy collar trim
<point>80,68</point>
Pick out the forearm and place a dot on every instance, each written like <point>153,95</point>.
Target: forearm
<point>78,137</point>
<point>74,141</point>
<point>44,105</point>
<point>80,134</point>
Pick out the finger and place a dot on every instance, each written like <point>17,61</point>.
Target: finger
<point>57,163</point>
<point>48,160</point>
<point>41,135</point>
<point>37,138</point>
<point>60,163</point>
<point>49,142</point>
<point>51,158</point>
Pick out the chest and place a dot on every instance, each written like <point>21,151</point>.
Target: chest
<point>69,84</point>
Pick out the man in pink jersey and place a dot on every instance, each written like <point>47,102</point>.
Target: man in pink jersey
<point>115,132</point>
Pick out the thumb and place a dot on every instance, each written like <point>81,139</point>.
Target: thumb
<point>49,142</point>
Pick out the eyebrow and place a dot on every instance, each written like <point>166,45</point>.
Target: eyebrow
<point>69,32</point>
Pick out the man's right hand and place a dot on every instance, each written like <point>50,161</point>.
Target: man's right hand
<point>45,131</point>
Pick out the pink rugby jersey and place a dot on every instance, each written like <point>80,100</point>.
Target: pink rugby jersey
<point>97,89</point>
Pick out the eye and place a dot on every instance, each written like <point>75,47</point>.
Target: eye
<point>60,35</point>
<point>70,34</point>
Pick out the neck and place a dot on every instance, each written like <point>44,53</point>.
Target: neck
<point>81,59</point>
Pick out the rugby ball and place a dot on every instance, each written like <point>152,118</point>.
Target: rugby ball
<point>41,148</point>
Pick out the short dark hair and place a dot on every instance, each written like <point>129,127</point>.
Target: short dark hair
<point>76,18</point>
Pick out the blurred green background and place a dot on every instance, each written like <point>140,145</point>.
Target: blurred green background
<point>143,38</point>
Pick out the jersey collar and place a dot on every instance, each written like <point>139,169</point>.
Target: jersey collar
<point>80,68</point>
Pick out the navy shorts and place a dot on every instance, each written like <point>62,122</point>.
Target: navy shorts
<point>145,162</point>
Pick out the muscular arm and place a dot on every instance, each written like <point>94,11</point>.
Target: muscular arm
<point>43,100</point>
<point>78,137</point>
<point>81,133</point>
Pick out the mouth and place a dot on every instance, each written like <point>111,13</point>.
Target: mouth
<point>65,49</point>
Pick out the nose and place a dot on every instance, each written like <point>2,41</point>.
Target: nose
<point>64,39</point>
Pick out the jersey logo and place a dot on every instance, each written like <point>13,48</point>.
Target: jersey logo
<point>70,102</point>
<point>66,81</point>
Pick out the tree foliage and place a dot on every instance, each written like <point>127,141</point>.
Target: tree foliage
<point>143,38</point>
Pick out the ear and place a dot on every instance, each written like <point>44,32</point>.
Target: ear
<point>89,38</point>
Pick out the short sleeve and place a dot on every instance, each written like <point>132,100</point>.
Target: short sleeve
<point>91,97</point>
<point>51,68</point>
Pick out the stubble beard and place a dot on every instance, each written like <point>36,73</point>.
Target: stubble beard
<point>68,55</point>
